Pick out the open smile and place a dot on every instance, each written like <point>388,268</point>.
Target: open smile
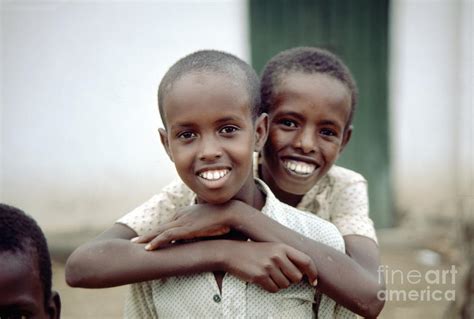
<point>299,168</point>
<point>214,178</point>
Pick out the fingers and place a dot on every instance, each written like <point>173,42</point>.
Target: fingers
<point>143,239</point>
<point>268,284</point>
<point>305,264</point>
<point>148,237</point>
<point>291,272</point>
<point>279,278</point>
<point>169,236</point>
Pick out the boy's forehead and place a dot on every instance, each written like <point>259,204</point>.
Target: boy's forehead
<point>21,259</point>
<point>299,81</point>
<point>314,91</point>
<point>309,85</point>
<point>20,276</point>
<point>201,78</point>
<point>209,91</point>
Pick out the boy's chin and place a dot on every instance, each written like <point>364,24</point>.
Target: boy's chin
<point>296,188</point>
<point>214,200</point>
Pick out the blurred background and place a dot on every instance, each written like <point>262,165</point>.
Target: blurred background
<point>79,143</point>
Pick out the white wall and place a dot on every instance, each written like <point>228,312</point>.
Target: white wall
<point>79,100</point>
<point>431,104</point>
<point>466,126</point>
<point>78,113</point>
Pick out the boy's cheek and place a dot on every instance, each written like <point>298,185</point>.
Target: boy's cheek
<point>279,139</point>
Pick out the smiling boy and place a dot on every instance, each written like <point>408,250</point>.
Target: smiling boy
<point>209,103</point>
<point>209,127</point>
<point>290,168</point>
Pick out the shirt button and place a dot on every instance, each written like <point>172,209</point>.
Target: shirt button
<point>217,298</point>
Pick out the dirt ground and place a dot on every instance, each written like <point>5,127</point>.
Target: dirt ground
<point>414,273</point>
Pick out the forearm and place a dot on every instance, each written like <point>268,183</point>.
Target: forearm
<point>112,262</point>
<point>340,277</point>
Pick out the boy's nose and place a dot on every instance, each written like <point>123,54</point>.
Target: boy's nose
<point>210,151</point>
<point>306,141</point>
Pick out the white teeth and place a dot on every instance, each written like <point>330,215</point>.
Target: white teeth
<point>299,167</point>
<point>214,175</point>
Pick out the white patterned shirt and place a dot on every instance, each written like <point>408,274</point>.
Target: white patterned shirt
<point>341,198</point>
<point>198,296</point>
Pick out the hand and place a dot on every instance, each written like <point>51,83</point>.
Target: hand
<point>272,266</point>
<point>195,221</point>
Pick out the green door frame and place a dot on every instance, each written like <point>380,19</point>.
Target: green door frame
<point>357,31</point>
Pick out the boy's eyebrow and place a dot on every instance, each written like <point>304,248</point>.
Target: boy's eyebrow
<point>225,119</point>
<point>329,122</point>
<point>182,125</point>
<point>229,118</point>
<point>20,304</point>
<point>301,117</point>
<point>291,113</point>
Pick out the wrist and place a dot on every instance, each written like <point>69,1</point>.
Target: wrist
<point>232,214</point>
<point>241,216</point>
<point>221,255</point>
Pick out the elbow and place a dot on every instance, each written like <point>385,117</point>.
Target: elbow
<point>79,272</point>
<point>373,309</point>
<point>76,275</point>
<point>73,273</point>
<point>374,305</point>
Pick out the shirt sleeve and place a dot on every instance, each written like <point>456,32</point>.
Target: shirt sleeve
<point>159,209</point>
<point>350,211</point>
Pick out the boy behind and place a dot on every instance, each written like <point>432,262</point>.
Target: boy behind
<point>25,276</point>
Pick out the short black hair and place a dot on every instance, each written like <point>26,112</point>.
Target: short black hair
<point>308,60</point>
<point>19,233</point>
<point>213,61</point>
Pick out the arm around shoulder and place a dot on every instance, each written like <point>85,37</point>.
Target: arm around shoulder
<point>112,260</point>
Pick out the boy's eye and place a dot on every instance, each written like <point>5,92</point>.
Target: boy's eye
<point>328,132</point>
<point>186,135</point>
<point>288,123</point>
<point>228,129</point>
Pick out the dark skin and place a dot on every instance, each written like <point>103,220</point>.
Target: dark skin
<point>351,281</point>
<point>111,252</point>
<point>309,127</point>
<point>215,134</point>
<point>335,269</point>
<point>21,289</point>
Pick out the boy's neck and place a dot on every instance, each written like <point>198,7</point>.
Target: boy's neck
<point>285,197</point>
<point>251,194</point>
<point>258,198</point>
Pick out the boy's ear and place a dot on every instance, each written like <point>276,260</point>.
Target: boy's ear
<point>54,306</point>
<point>261,131</point>
<point>164,141</point>
<point>346,138</point>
